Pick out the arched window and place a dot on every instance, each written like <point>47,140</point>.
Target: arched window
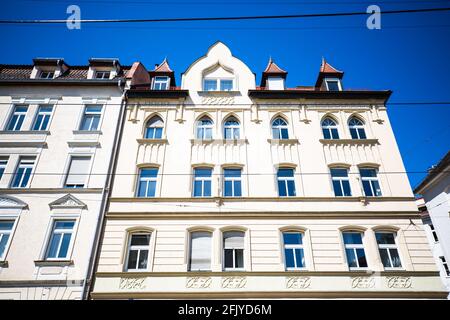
<point>138,251</point>
<point>200,251</point>
<point>154,128</point>
<point>147,182</point>
<point>329,129</point>
<point>354,249</point>
<point>293,250</point>
<point>204,128</point>
<point>279,129</point>
<point>286,182</point>
<point>356,127</point>
<point>387,247</point>
<point>233,250</point>
<point>231,129</point>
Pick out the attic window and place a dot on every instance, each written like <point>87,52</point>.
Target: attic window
<point>161,83</point>
<point>102,74</point>
<point>333,85</point>
<point>275,83</point>
<point>47,75</point>
<point>213,84</point>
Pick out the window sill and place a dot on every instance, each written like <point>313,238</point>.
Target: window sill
<point>152,141</point>
<point>219,92</point>
<point>349,141</point>
<point>87,132</point>
<point>53,263</point>
<point>24,138</point>
<point>283,141</point>
<point>4,264</point>
<point>23,132</point>
<point>219,141</point>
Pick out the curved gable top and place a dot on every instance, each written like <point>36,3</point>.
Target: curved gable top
<point>218,56</point>
<point>11,202</point>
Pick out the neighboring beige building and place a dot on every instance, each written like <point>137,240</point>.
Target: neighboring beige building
<point>224,189</point>
<point>57,131</point>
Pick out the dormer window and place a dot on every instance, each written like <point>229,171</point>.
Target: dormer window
<point>161,83</point>
<point>47,75</point>
<point>275,83</point>
<point>102,74</point>
<point>217,84</point>
<point>333,85</point>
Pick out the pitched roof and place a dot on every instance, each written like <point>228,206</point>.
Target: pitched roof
<point>327,68</point>
<point>272,67</point>
<point>443,164</point>
<point>163,67</point>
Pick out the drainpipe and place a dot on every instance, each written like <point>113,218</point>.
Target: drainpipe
<point>95,252</point>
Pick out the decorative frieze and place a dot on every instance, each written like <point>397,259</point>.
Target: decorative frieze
<point>298,282</point>
<point>132,283</point>
<point>399,282</point>
<point>218,100</point>
<point>234,282</point>
<point>363,282</point>
<point>198,282</point>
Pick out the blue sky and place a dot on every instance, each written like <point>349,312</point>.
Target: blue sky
<point>409,55</point>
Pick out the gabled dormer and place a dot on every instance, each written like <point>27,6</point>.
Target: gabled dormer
<point>162,77</point>
<point>103,69</point>
<point>273,77</point>
<point>329,78</point>
<point>48,68</point>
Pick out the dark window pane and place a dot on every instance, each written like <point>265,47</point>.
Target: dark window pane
<point>207,191</point>
<point>353,133</point>
<point>300,258</point>
<point>237,189</point>
<point>197,188</point>
<point>352,238</point>
<point>326,134</point>
<point>367,189</point>
<point>347,191</point>
<point>64,224</point>
<point>53,247</point>
<point>284,133</point>
<point>333,86</point>
<point>337,188</point>
<point>337,172</point>
<point>285,173</point>
<point>376,187</point>
<point>291,188</point>
<point>203,172</point>
<point>149,173</point>
<point>362,133</point>
<point>385,238</point>
<point>282,192</point>
<point>239,258</point>
<point>368,173</point>
<point>361,258</point>
<point>140,239</point>
<point>142,188</point>
<point>395,258</point>
<point>228,258</point>
<point>228,191</point>
<point>151,189</point>
<point>132,259</point>
<point>292,238</point>
<point>143,257</point>
<point>334,133</point>
<point>64,246</point>
<point>235,173</point>
<point>289,256</point>
<point>385,258</point>
<point>351,259</point>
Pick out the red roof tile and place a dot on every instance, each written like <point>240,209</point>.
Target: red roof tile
<point>163,67</point>
<point>273,68</point>
<point>327,68</point>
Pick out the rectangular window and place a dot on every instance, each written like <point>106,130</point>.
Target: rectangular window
<point>333,85</point>
<point>232,183</point>
<point>370,182</point>
<point>341,183</point>
<point>202,182</point>
<point>388,250</point>
<point>47,74</point>
<point>58,246</point>
<point>433,232</point>
<point>43,118</point>
<point>233,245</point>
<point>443,262</point>
<point>293,250</point>
<point>200,255</point>
<point>23,172</point>
<point>210,85</point>
<point>17,118</point>
<point>78,172</point>
<point>138,250</point>
<point>6,227</point>
<point>354,250</point>
<point>91,118</point>
<point>147,182</point>
<point>102,74</point>
<point>286,183</point>
<point>3,164</point>
<point>226,85</point>
<point>161,83</point>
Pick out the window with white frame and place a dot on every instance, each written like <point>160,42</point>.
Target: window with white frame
<point>102,74</point>
<point>147,182</point>
<point>47,74</point>
<point>204,128</point>
<point>217,84</point>
<point>154,128</point>
<point>294,255</point>
<point>354,250</point>
<point>91,118</point>
<point>78,172</point>
<point>329,129</point>
<point>356,128</point>
<point>22,175</point>
<point>17,118</point>
<point>60,240</point>
<point>3,164</point>
<point>161,83</point>
<point>369,180</point>
<point>200,251</point>
<point>443,262</point>
<point>279,129</point>
<point>433,232</point>
<point>202,182</point>
<point>341,182</point>
<point>233,250</point>
<point>231,129</point>
<point>333,84</point>
<point>43,118</point>
<point>138,251</point>
<point>232,183</point>
<point>286,182</point>
<point>387,247</point>
<point>6,227</point>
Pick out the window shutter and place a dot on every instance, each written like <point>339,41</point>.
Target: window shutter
<point>200,251</point>
<point>78,170</point>
<point>234,239</point>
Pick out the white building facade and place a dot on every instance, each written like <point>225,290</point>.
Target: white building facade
<point>435,210</point>
<point>225,189</point>
<point>58,129</point>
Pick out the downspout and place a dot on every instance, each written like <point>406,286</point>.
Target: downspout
<point>93,260</point>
